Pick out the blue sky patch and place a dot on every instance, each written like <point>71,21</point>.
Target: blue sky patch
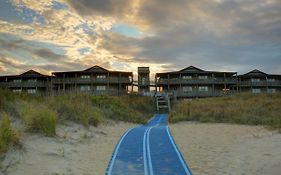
<point>84,50</point>
<point>59,6</point>
<point>14,14</point>
<point>126,30</point>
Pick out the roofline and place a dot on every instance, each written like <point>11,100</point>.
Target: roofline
<point>84,71</point>
<point>178,72</point>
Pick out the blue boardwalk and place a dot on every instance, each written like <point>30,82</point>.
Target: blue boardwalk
<point>148,150</point>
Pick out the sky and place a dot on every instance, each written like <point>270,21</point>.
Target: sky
<point>166,35</point>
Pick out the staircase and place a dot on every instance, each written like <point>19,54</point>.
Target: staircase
<point>163,102</point>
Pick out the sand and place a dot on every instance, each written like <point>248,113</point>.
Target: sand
<point>224,149</point>
<point>212,149</point>
<point>75,151</point>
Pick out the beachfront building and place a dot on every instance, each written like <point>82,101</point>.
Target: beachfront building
<point>96,80</point>
<point>257,81</point>
<point>143,80</point>
<point>193,82</point>
<point>30,82</point>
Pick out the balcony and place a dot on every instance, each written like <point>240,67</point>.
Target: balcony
<point>191,94</point>
<point>110,80</point>
<point>260,83</point>
<point>197,81</point>
<point>24,84</point>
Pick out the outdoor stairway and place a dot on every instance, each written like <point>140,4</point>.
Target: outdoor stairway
<point>163,103</point>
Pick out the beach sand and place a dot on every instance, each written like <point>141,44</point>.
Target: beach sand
<point>225,149</point>
<point>209,149</point>
<point>75,151</point>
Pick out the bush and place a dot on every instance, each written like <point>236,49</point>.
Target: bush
<point>252,109</point>
<point>40,118</point>
<point>77,108</point>
<point>8,136</point>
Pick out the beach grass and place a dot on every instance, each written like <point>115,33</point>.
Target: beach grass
<point>8,136</point>
<point>244,108</point>
<point>42,113</point>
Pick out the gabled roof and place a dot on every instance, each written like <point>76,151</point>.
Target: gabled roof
<point>191,69</point>
<point>96,68</point>
<point>32,73</point>
<point>28,74</point>
<point>255,72</point>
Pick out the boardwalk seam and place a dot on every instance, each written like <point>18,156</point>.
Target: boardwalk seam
<point>148,152</point>
<point>144,152</point>
<point>116,151</point>
<point>188,172</point>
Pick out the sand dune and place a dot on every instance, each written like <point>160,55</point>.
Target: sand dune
<point>223,149</point>
<point>212,149</point>
<point>75,151</point>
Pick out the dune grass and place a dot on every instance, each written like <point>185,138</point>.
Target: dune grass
<point>251,109</point>
<point>42,113</point>
<point>8,136</point>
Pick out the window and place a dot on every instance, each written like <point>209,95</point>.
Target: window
<point>85,76</point>
<point>256,90</point>
<point>270,80</point>
<point>17,80</point>
<point>143,81</point>
<point>101,88</point>
<point>203,88</point>
<point>202,77</point>
<point>31,91</point>
<point>85,88</point>
<point>17,90</point>
<point>271,90</point>
<point>187,88</point>
<point>101,76</point>
<point>186,77</point>
<point>255,80</point>
<point>31,80</point>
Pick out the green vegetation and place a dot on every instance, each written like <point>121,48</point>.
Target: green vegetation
<point>39,118</point>
<point>42,113</point>
<point>252,109</point>
<point>8,136</point>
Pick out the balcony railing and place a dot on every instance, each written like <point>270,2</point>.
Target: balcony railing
<point>24,84</point>
<point>197,81</point>
<point>215,93</point>
<point>260,83</point>
<point>91,80</point>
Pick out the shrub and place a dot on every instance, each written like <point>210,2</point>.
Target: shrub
<point>8,136</point>
<point>252,109</point>
<point>40,118</point>
<point>77,108</point>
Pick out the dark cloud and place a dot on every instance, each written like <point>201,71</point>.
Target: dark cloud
<point>236,35</point>
<point>48,54</point>
<point>110,8</point>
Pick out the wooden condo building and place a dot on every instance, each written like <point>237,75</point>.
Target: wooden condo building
<point>96,79</point>
<point>190,82</point>
<point>257,81</point>
<point>194,82</point>
<point>30,82</point>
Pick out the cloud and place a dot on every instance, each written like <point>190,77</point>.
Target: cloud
<point>215,35</point>
<point>109,8</point>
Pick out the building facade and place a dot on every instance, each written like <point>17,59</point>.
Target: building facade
<point>30,82</point>
<point>96,79</point>
<point>143,79</point>
<point>194,82</point>
<point>257,81</point>
<point>190,82</point>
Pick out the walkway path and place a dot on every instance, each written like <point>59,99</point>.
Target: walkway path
<point>148,150</point>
